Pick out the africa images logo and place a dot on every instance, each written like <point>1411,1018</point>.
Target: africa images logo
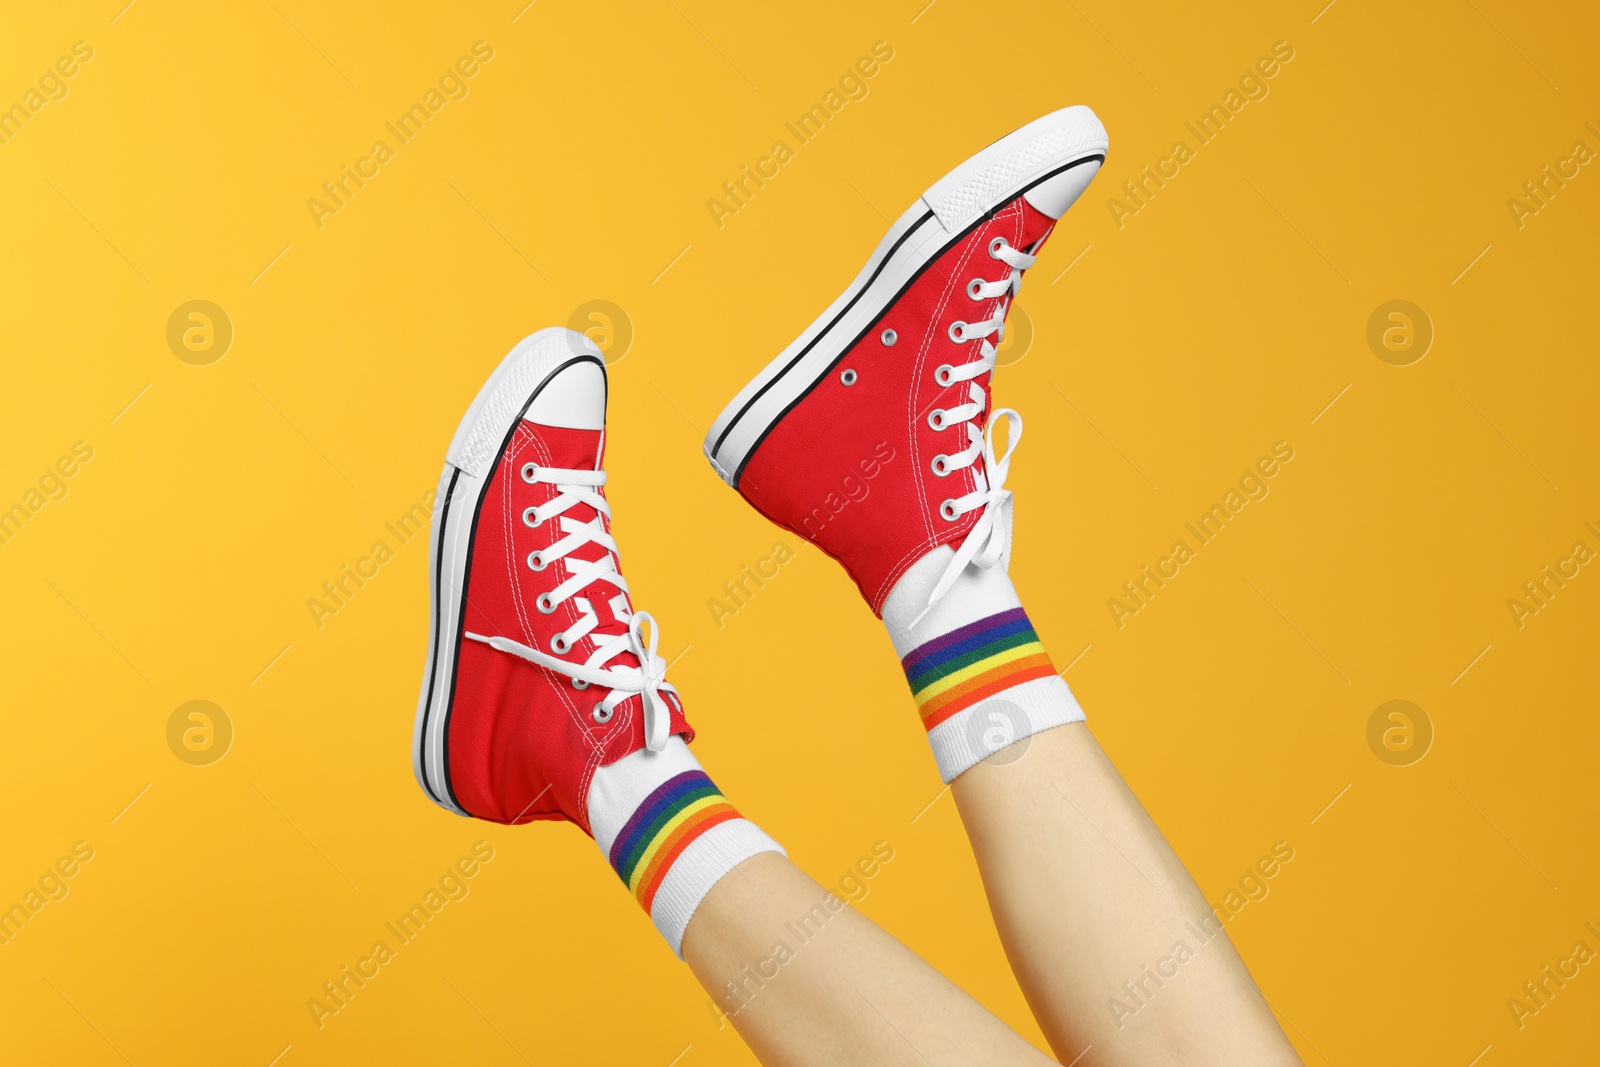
<point>453,85</point>
<point>737,192</point>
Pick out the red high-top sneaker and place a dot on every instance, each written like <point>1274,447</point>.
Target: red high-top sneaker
<point>865,435</point>
<point>538,668</point>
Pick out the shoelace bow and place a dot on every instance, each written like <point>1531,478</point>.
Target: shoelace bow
<point>648,680</point>
<point>989,542</point>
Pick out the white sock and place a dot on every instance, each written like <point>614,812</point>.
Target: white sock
<point>669,833</point>
<point>979,676</point>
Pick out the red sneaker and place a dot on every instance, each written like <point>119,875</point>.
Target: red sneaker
<point>538,668</point>
<point>864,436</point>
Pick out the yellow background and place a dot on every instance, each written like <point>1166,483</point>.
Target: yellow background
<point>1223,317</point>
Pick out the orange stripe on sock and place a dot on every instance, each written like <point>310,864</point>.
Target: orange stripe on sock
<point>958,693</point>
<point>984,686</point>
<point>673,847</point>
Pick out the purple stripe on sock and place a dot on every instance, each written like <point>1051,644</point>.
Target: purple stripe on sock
<point>645,812</point>
<point>915,656</point>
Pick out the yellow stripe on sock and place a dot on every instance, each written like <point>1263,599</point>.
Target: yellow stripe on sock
<point>977,689</point>
<point>951,681</point>
<point>665,835</point>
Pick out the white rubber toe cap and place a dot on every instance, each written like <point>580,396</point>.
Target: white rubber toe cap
<point>575,398</point>
<point>1053,196</point>
<point>539,363</point>
<point>1023,159</point>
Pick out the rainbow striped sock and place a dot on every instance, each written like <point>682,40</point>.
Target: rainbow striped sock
<point>972,663</point>
<point>669,833</point>
<point>670,820</point>
<point>981,678</point>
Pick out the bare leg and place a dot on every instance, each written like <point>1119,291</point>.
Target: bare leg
<point>1088,895</point>
<point>814,982</point>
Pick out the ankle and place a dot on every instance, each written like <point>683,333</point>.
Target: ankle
<point>978,672</point>
<point>669,833</point>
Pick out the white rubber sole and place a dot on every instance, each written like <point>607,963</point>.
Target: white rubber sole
<point>1037,153</point>
<point>469,464</point>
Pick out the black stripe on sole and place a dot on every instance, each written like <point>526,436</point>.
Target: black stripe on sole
<point>466,581</point>
<point>845,350</point>
<point>915,226</point>
<point>433,660</point>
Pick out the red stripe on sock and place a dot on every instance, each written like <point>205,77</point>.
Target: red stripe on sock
<point>674,847</point>
<point>963,697</point>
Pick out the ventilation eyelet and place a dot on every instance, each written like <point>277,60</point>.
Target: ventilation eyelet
<point>530,472</point>
<point>945,375</point>
<point>889,337</point>
<point>958,332</point>
<point>601,713</point>
<point>848,377</point>
<point>545,604</point>
<point>947,511</point>
<point>941,465</point>
<point>936,418</point>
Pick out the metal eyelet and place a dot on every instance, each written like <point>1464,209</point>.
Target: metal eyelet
<point>530,471</point>
<point>972,289</point>
<point>945,375</point>
<point>848,377</point>
<point>889,337</point>
<point>958,332</point>
<point>601,713</point>
<point>536,561</point>
<point>936,418</point>
<point>941,465</point>
<point>545,604</point>
<point>529,518</point>
<point>947,511</point>
<point>996,245</point>
<point>579,683</point>
<point>560,645</point>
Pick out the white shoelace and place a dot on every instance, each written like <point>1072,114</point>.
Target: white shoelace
<point>648,680</point>
<point>989,542</point>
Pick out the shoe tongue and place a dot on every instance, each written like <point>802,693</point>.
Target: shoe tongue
<point>579,449</point>
<point>570,448</point>
<point>1035,224</point>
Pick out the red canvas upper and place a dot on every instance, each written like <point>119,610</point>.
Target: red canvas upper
<point>522,741</point>
<point>848,468</point>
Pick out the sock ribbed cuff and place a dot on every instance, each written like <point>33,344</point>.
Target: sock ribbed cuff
<point>669,833</point>
<point>980,731</point>
<point>971,663</point>
<point>979,675</point>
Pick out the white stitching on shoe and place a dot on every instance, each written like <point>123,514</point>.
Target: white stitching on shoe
<point>648,680</point>
<point>988,542</point>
